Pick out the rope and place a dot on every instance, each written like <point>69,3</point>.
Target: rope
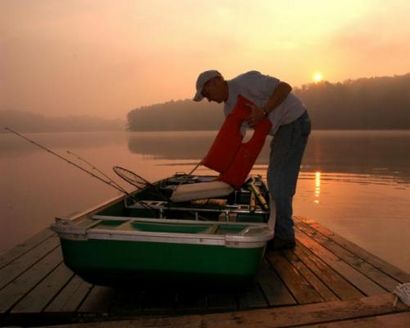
<point>402,291</point>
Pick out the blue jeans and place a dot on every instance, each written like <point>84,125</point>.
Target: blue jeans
<point>287,148</point>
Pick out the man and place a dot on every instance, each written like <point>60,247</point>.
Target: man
<point>273,99</point>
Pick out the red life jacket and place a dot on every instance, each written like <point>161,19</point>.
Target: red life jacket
<point>228,155</point>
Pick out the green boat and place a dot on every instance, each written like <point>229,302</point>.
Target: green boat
<point>148,238</point>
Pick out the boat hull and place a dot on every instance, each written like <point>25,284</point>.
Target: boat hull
<point>115,263</point>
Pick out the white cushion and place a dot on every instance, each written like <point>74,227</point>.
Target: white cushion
<point>200,190</point>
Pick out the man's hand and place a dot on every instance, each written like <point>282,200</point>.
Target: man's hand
<point>256,115</point>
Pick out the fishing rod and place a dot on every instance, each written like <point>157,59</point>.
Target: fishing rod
<point>96,169</point>
<point>108,182</point>
<point>133,178</point>
<point>127,175</point>
<point>130,177</point>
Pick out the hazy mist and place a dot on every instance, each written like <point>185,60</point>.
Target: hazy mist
<point>103,58</point>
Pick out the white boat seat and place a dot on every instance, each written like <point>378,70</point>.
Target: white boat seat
<point>200,190</point>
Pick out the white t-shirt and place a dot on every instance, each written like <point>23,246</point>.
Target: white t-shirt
<point>258,88</point>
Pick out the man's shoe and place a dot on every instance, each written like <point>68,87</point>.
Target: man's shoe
<point>277,244</point>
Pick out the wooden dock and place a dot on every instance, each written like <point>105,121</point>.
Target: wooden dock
<point>326,280</point>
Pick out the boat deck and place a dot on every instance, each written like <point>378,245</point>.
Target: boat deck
<point>325,280</point>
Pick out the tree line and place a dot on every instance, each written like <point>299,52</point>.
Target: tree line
<point>367,103</point>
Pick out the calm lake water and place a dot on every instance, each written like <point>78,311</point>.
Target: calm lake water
<point>357,183</point>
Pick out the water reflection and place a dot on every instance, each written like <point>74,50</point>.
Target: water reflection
<point>12,146</point>
<point>317,187</point>
<point>355,183</point>
<point>375,153</point>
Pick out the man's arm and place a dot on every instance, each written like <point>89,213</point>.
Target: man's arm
<point>278,96</point>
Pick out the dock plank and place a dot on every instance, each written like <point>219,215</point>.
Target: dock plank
<point>127,302</point>
<point>322,281</point>
<point>159,302</point>
<point>221,301</point>
<point>70,298</point>
<point>24,247</point>
<point>22,285</point>
<point>98,300</point>
<point>24,262</point>
<point>191,301</point>
<point>355,277</point>
<point>395,320</point>
<point>355,261</point>
<point>294,315</point>
<point>251,298</point>
<point>326,293</point>
<point>338,284</point>
<point>44,292</point>
<point>289,316</point>
<point>275,291</point>
<point>377,262</point>
<point>300,288</point>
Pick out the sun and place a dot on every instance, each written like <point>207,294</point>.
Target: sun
<point>317,77</point>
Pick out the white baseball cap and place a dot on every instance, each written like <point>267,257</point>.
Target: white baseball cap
<point>201,80</point>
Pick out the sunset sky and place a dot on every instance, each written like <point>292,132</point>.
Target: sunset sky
<point>105,58</point>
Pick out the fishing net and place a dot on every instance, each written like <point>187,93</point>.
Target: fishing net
<point>132,178</point>
<point>139,182</point>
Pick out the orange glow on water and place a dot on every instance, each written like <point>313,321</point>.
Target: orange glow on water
<point>317,187</point>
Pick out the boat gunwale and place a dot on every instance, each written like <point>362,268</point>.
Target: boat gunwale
<point>94,209</point>
<point>230,241</point>
<point>67,230</point>
<point>162,220</point>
